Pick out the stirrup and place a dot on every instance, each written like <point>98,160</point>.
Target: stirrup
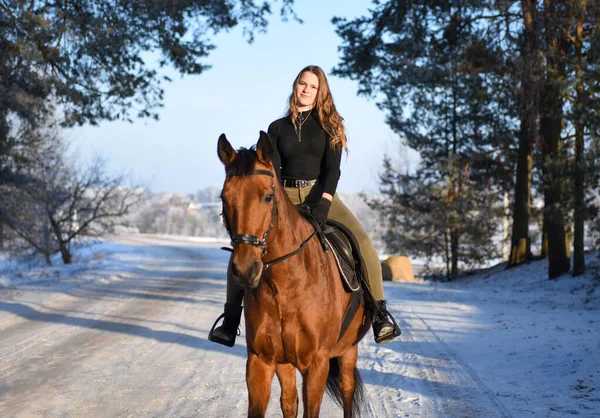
<point>395,332</point>
<point>388,337</point>
<point>220,340</point>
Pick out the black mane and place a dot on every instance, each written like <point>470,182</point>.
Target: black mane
<point>243,163</point>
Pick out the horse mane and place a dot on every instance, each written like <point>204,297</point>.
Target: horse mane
<point>243,163</point>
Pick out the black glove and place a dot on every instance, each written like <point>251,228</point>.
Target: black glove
<point>320,210</point>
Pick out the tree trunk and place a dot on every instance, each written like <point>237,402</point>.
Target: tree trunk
<point>62,244</point>
<point>505,226</point>
<point>579,213</point>
<point>568,242</point>
<point>544,249</point>
<point>454,251</point>
<point>4,146</point>
<point>65,253</point>
<point>520,251</point>
<point>553,164</point>
<point>447,249</point>
<point>579,170</point>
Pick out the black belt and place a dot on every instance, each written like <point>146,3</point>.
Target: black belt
<point>298,183</point>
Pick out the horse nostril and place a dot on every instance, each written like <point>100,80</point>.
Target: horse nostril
<point>235,270</point>
<point>254,269</point>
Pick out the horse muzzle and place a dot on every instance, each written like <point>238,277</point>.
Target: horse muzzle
<point>247,275</point>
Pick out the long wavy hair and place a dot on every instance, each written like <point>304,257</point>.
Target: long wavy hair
<point>330,119</point>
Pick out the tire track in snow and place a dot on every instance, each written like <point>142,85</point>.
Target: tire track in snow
<point>420,375</point>
<point>446,364</point>
<point>75,347</point>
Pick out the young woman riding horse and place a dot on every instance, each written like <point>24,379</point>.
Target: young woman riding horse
<point>307,149</point>
<point>294,297</point>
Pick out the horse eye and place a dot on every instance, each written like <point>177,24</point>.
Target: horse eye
<point>269,198</point>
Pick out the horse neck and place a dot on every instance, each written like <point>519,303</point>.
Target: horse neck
<point>290,229</point>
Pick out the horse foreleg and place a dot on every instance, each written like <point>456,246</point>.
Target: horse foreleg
<point>259,376</point>
<point>314,378</point>
<point>347,363</point>
<point>286,373</point>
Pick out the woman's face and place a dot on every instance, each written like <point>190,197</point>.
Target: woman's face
<point>306,90</point>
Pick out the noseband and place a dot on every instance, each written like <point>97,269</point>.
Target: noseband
<point>253,239</point>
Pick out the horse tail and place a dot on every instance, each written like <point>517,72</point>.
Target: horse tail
<point>333,388</point>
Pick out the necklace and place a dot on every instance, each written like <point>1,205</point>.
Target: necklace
<point>302,121</point>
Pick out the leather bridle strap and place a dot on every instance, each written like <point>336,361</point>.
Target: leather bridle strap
<point>293,253</point>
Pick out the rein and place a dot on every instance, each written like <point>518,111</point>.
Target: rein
<point>256,241</point>
<point>293,253</point>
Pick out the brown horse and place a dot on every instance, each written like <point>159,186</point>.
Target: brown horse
<point>294,300</point>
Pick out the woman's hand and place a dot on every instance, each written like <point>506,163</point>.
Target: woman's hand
<point>320,210</point>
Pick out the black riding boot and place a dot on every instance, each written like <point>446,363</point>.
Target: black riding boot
<point>226,333</point>
<point>385,328</point>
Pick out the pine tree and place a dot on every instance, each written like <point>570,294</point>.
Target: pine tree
<point>530,75</point>
<point>493,95</point>
<point>437,77</point>
<point>582,35</point>
<point>553,157</point>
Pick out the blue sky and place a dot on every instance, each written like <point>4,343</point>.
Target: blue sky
<point>244,91</point>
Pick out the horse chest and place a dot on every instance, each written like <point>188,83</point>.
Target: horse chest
<point>286,329</point>
<point>289,339</point>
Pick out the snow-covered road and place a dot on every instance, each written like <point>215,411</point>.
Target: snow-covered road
<point>131,342</point>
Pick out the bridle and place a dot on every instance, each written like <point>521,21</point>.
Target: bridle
<point>253,239</point>
<point>249,238</point>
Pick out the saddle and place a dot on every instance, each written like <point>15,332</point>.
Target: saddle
<point>336,237</point>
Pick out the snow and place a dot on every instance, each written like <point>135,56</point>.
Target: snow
<point>122,332</point>
<point>94,258</point>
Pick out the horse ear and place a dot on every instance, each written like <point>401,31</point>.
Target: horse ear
<point>225,150</point>
<point>264,147</point>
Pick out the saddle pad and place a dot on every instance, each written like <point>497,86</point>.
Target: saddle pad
<point>344,258</point>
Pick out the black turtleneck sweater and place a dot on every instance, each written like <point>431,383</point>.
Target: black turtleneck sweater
<point>306,155</point>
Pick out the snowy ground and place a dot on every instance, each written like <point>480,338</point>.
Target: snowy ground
<point>122,333</point>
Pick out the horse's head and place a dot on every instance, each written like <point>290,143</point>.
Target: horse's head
<point>249,205</point>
